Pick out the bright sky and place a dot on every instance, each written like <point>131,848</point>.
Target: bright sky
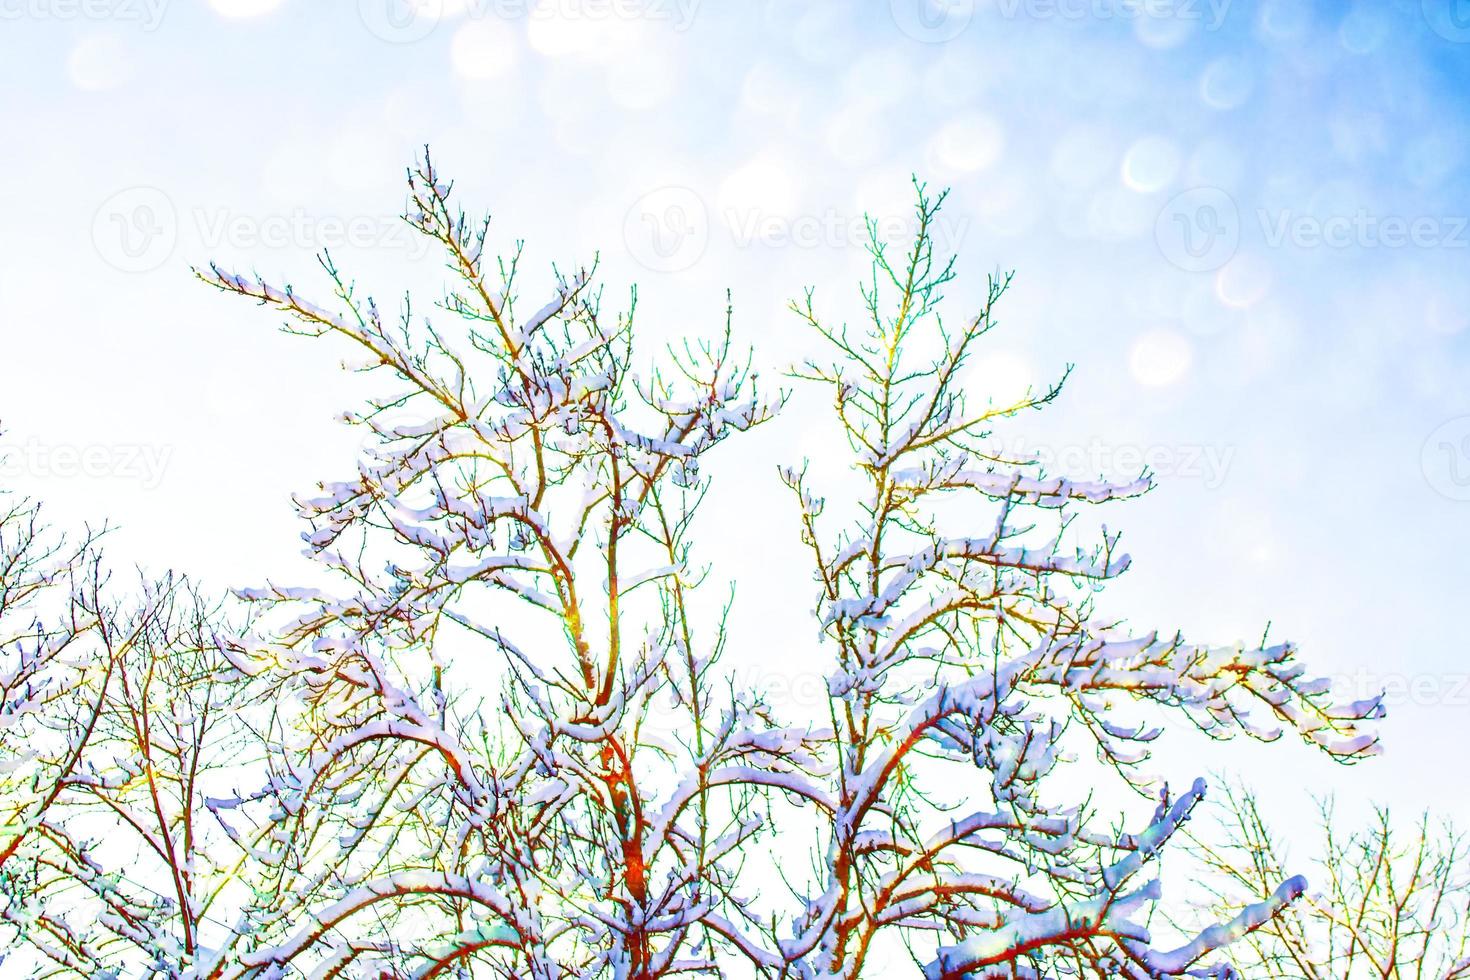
<point>1245,223</point>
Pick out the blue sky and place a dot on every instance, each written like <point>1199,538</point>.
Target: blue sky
<point>1244,222</point>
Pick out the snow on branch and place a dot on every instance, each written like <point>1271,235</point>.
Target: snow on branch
<point>498,735</point>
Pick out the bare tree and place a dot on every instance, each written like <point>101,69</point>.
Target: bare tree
<point>502,743</point>
<point>1394,901</point>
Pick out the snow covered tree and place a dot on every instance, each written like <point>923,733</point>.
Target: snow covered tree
<point>108,739</point>
<point>1390,902</point>
<point>971,667</point>
<point>503,741</point>
<point>529,498</point>
<point>55,665</point>
<point>145,864</point>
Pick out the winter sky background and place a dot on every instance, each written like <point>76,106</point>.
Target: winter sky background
<point>1244,222</point>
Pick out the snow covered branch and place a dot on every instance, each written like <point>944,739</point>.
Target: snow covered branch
<point>498,738</point>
